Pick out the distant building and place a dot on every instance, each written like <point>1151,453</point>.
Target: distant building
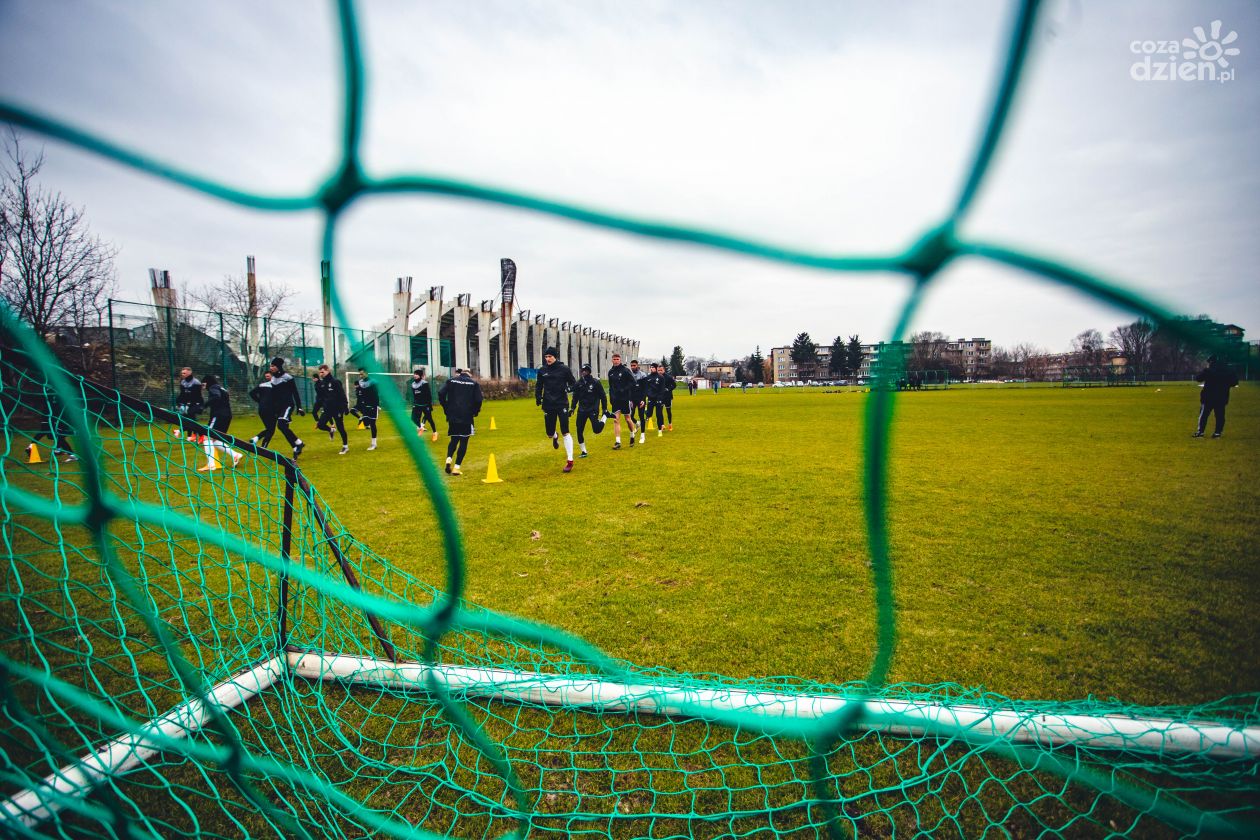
<point>720,372</point>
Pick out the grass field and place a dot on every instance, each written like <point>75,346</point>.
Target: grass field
<point>1047,543</point>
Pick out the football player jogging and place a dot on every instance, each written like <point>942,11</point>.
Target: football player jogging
<point>668,384</point>
<point>219,402</point>
<point>590,404</point>
<point>640,397</point>
<point>621,388</point>
<point>261,394</point>
<point>422,403</point>
<point>330,400</point>
<point>551,392</point>
<point>460,398</point>
<point>189,402</point>
<point>654,391</point>
<point>367,404</point>
<point>285,400</point>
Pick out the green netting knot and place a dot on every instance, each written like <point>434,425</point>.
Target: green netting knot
<point>341,189</point>
<point>935,248</point>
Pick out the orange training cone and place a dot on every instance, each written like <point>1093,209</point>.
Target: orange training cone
<point>492,473</point>
<point>34,455</point>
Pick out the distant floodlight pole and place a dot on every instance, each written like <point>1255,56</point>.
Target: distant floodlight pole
<point>325,293</point>
<point>251,285</point>
<point>507,292</point>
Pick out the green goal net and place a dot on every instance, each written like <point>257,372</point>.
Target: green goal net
<point>214,653</point>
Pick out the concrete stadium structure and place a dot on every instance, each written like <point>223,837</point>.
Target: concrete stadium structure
<point>491,340</point>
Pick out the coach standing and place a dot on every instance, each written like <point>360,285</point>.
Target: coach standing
<point>1217,379</point>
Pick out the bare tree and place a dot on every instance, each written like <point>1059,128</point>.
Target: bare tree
<point>54,273</point>
<point>231,297</point>
<point>1088,353</point>
<point>259,327</point>
<point>928,351</point>
<point>1030,361</point>
<point>1134,342</point>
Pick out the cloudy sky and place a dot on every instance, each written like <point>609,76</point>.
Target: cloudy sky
<point>837,127</point>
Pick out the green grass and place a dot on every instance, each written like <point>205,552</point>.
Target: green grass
<point>1047,543</point>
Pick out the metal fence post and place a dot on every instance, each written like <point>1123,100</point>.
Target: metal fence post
<point>113,359</point>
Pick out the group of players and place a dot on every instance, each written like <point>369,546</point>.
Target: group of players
<point>632,392</point>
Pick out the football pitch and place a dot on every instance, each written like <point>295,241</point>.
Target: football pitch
<point>1046,543</point>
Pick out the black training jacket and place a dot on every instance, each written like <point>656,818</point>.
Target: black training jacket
<point>421,393</point>
<point>366,398</point>
<point>589,394</point>
<point>219,402</point>
<point>284,393</point>
<point>551,391</point>
<point>1217,379</point>
<point>460,399</point>
<point>621,383</point>
<point>330,396</point>
<point>668,384</point>
<point>190,393</point>
<point>654,388</point>
<point>264,396</point>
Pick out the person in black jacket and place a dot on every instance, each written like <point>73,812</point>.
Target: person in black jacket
<point>654,396</point>
<point>460,398</point>
<point>49,408</point>
<point>330,400</point>
<point>284,401</point>
<point>422,403</point>
<point>367,404</point>
<point>621,388</point>
<point>551,392</point>
<point>590,404</point>
<point>261,394</point>
<point>668,384</point>
<point>1217,379</point>
<point>189,402</point>
<point>640,397</point>
<point>218,400</point>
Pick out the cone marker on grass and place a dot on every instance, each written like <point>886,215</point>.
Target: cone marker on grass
<point>492,473</point>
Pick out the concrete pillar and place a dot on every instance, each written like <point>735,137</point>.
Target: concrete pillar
<point>400,341</point>
<point>462,312</point>
<point>484,319</point>
<point>522,337</point>
<point>539,328</point>
<point>433,328</point>
<point>562,342</point>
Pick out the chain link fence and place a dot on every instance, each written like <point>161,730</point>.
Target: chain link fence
<point>149,345</point>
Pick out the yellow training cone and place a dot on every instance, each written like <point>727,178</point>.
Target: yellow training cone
<point>492,473</point>
<point>493,427</point>
<point>651,426</point>
<point>34,455</point>
<point>361,426</point>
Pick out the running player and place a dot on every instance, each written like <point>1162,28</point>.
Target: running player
<point>460,398</point>
<point>589,403</point>
<point>653,389</point>
<point>285,400</point>
<point>367,404</point>
<point>54,427</point>
<point>640,397</point>
<point>219,402</point>
<point>330,399</point>
<point>422,403</point>
<point>261,394</point>
<point>668,384</point>
<point>621,387</point>
<point>189,402</point>
<point>551,391</point>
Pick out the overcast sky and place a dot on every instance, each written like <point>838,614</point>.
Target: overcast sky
<point>830,126</point>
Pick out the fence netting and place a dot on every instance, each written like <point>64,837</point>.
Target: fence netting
<point>214,653</point>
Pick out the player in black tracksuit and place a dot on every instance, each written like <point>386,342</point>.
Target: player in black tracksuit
<point>589,403</point>
<point>422,403</point>
<point>219,401</point>
<point>189,402</point>
<point>668,384</point>
<point>460,398</point>
<point>640,397</point>
<point>54,427</point>
<point>654,393</point>
<point>367,404</point>
<point>621,389</point>
<point>331,404</point>
<point>284,401</point>
<point>551,391</point>
<point>261,394</point>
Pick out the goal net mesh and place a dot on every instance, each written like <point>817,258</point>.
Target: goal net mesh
<point>214,653</point>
